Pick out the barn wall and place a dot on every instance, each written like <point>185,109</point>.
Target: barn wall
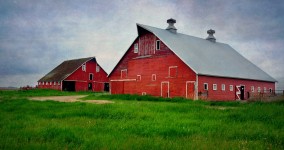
<point>82,77</point>
<point>147,69</point>
<point>49,85</point>
<point>219,94</point>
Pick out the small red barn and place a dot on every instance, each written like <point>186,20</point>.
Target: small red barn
<point>162,62</point>
<point>83,74</point>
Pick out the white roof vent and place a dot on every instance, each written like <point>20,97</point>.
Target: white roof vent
<point>171,26</point>
<point>210,36</point>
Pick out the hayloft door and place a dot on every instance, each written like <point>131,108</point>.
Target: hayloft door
<point>165,89</point>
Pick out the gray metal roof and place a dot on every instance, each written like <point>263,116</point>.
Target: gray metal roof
<point>208,58</point>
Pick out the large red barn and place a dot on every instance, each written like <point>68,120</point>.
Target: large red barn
<point>162,62</point>
<point>76,75</point>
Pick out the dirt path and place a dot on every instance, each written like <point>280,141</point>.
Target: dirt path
<point>70,99</point>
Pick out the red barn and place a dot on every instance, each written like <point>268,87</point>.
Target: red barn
<point>162,62</point>
<point>76,75</point>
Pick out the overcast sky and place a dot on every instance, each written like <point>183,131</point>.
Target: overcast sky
<point>37,35</point>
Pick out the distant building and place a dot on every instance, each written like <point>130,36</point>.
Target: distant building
<point>83,74</point>
<point>163,62</point>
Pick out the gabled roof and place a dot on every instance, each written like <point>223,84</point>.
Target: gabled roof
<point>206,57</point>
<point>65,69</point>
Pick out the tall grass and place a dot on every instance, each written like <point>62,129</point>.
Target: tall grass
<point>139,124</point>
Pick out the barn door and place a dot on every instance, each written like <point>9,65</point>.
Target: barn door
<point>165,89</point>
<point>190,89</point>
<point>240,92</point>
<point>90,86</point>
<point>117,87</point>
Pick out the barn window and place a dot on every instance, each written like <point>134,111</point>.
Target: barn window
<point>136,48</point>
<point>84,67</point>
<point>158,45</point>
<point>39,83</point>
<point>270,90</point>
<point>264,89</point>
<point>42,83</point>
<point>214,87</point>
<point>123,73</point>
<point>252,88</point>
<point>50,83</point>
<point>144,93</point>
<point>173,71</point>
<point>223,87</point>
<point>231,87</point>
<point>138,78</point>
<point>58,82</point>
<point>258,89</point>
<point>97,68</point>
<point>91,76</point>
<point>153,77</point>
<point>54,83</point>
<point>205,86</point>
<point>46,83</point>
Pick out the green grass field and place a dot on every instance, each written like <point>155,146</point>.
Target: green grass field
<point>137,122</point>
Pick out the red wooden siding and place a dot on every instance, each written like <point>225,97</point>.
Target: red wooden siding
<point>226,94</point>
<point>171,73</point>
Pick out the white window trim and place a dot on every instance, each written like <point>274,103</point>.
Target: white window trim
<point>50,83</point>
<point>176,71</point>
<point>258,89</point>
<point>223,86</point>
<point>138,77</point>
<point>90,76</point>
<point>215,87</point>
<point>84,67</point>
<point>39,83</point>
<point>264,89</point>
<point>206,86</point>
<point>144,93</point>
<point>157,45</point>
<point>122,71</point>
<point>252,88</point>
<point>54,83</point>
<point>97,68</point>
<point>231,88</point>
<point>136,48</point>
<point>154,77</point>
<point>58,82</point>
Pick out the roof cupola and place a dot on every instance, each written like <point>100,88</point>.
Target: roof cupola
<point>171,26</point>
<point>210,36</point>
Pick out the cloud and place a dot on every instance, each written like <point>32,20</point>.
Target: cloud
<point>36,36</point>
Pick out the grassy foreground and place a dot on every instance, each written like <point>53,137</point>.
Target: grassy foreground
<point>135,122</point>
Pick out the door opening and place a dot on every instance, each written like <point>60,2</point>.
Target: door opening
<point>165,89</point>
<point>90,86</point>
<point>190,89</point>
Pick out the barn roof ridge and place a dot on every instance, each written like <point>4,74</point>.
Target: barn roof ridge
<point>208,58</point>
<point>65,69</point>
